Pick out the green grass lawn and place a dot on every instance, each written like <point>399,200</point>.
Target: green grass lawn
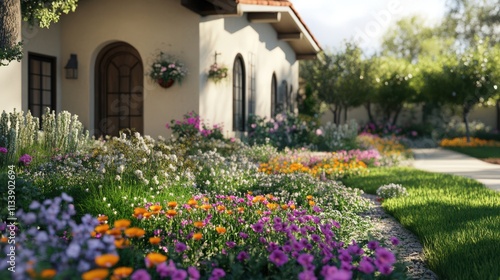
<point>456,219</point>
<point>478,152</point>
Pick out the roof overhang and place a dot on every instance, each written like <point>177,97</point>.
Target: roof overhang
<point>284,19</point>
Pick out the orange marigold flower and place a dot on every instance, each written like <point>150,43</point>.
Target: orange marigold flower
<point>270,196</point>
<point>122,223</point>
<point>106,260</point>
<point>115,232</point>
<point>206,207</point>
<point>309,197</point>
<point>292,206</point>
<point>155,208</point>
<point>139,211</point>
<point>122,272</point>
<point>229,212</point>
<point>284,206</point>
<point>249,192</point>
<point>220,230</point>
<point>258,198</point>
<point>155,240</point>
<point>172,204</point>
<point>241,209</point>
<point>221,208</point>
<point>272,206</point>
<point>312,203</point>
<point>205,199</point>
<point>122,243</point>
<point>102,218</point>
<point>197,236</point>
<point>199,224</point>
<point>135,232</point>
<point>192,202</point>
<point>155,258</point>
<point>147,215</point>
<point>102,228</point>
<point>171,213</point>
<point>4,239</point>
<point>48,273</point>
<point>95,274</point>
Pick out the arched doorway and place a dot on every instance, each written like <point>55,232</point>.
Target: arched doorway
<point>118,90</point>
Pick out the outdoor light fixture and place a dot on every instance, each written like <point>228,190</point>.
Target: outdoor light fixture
<point>72,67</point>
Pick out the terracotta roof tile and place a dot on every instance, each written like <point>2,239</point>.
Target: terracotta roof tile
<point>279,3</point>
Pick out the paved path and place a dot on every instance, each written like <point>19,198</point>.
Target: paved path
<point>445,161</point>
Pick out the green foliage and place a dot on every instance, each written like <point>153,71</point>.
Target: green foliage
<point>478,152</point>
<point>456,219</point>
<point>45,12</point>
<point>11,53</point>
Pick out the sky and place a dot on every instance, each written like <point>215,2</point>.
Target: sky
<point>332,21</point>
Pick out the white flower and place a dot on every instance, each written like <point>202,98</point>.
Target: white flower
<point>120,169</point>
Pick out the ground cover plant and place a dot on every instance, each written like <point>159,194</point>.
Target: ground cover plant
<point>457,219</point>
<point>487,150</point>
<point>191,206</point>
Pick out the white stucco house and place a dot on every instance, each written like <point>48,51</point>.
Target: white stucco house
<point>115,41</point>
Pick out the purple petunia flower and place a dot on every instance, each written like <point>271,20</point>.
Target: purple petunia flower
<point>257,227</point>
<point>243,235</point>
<point>305,260</point>
<point>180,247</point>
<point>25,159</point>
<point>384,257</point>
<point>3,150</point>
<point>365,266</point>
<point>307,275</point>
<point>278,257</point>
<point>217,273</point>
<point>179,274</point>
<point>242,256</point>
<point>394,240</point>
<point>372,245</point>
<point>140,274</point>
<point>230,244</point>
<point>194,274</point>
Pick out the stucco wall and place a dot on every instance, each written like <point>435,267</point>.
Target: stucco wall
<point>10,87</point>
<point>150,27</point>
<point>257,43</point>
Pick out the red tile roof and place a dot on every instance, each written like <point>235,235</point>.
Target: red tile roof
<point>279,3</point>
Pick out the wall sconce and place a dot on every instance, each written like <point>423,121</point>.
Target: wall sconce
<point>72,67</point>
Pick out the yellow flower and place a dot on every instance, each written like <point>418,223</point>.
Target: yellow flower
<point>122,223</point>
<point>155,258</point>
<point>122,272</point>
<point>272,206</point>
<point>155,240</point>
<point>48,273</point>
<point>309,197</point>
<point>197,236</point>
<point>135,232</point>
<point>95,274</point>
<point>220,230</point>
<point>106,260</point>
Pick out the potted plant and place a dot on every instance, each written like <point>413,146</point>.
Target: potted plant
<point>216,72</point>
<point>166,70</point>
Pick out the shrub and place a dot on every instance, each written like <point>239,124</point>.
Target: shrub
<point>332,137</point>
<point>191,125</point>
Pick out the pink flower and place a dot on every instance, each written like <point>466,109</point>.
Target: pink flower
<point>319,132</point>
<point>3,150</point>
<point>25,159</point>
<point>163,69</point>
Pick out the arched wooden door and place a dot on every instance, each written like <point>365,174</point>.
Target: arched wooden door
<point>119,90</point>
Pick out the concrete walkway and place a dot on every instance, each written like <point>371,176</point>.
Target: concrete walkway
<point>444,161</point>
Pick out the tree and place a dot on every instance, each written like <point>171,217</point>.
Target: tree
<point>339,80</point>
<point>394,88</point>
<point>468,79</point>
<point>41,12</point>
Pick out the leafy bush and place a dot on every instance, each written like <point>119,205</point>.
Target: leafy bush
<point>192,125</point>
<point>332,137</point>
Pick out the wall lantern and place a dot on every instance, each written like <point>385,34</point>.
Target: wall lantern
<point>72,67</point>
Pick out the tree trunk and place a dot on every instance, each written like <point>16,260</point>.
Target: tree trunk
<point>396,116</point>
<point>368,107</point>
<point>10,19</point>
<point>466,122</point>
<point>345,114</point>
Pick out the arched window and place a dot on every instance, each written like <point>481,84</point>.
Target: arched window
<point>274,95</point>
<point>239,94</point>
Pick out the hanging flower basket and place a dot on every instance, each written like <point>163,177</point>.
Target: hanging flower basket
<point>217,73</point>
<point>166,70</point>
<point>165,83</point>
